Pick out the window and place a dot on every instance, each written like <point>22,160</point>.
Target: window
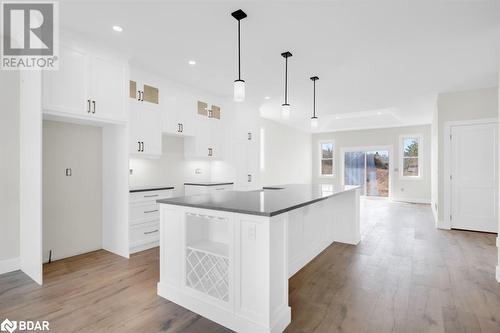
<point>326,158</point>
<point>411,156</point>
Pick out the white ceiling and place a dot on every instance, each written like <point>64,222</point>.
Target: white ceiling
<point>380,63</point>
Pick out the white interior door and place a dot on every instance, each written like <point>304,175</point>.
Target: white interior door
<point>474,177</point>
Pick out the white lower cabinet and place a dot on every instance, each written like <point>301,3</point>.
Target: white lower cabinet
<point>144,218</point>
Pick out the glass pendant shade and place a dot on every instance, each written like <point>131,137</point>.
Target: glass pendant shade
<point>239,91</point>
<point>314,122</point>
<point>285,111</point>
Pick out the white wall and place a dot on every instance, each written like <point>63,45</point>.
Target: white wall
<point>9,171</point>
<point>418,190</point>
<point>72,206</point>
<point>287,155</point>
<point>170,169</point>
<point>459,106</point>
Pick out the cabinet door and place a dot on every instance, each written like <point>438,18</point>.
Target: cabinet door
<point>67,89</point>
<point>170,122</point>
<point>151,121</point>
<point>109,88</point>
<point>215,138</point>
<point>145,133</point>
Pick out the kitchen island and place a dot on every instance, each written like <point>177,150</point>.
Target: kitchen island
<point>228,256</point>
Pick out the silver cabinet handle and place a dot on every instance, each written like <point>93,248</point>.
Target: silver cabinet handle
<point>150,232</point>
<point>151,211</point>
<point>151,196</point>
<point>93,104</point>
<point>88,106</point>
<point>219,189</point>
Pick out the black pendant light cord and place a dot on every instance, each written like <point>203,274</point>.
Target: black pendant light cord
<point>286,55</point>
<point>314,98</point>
<point>239,15</point>
<point>286,80</point>
<point>314,79</point>
<point>239,52</point>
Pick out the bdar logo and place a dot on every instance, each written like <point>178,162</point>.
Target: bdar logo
<point>8,326</point>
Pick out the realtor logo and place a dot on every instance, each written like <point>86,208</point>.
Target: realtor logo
<point>8,326</point>
<point>30,32</point>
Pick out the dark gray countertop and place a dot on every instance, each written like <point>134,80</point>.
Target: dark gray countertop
<point>146,188</point>
<point>208,183</point>
<point>266,202</point>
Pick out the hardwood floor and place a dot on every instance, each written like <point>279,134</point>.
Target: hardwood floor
<point>405,276</point>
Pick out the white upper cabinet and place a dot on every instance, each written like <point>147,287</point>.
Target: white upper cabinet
<point>179,114</point>
<point>67,89</point>
<point>86,86</point>
<point>108,85</point>
<point>145,133</point>
<point>145,115</point>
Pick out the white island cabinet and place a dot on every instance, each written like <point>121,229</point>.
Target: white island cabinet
<point>228,255</point>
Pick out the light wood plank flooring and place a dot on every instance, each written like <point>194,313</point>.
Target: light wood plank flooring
<point>405,276</point>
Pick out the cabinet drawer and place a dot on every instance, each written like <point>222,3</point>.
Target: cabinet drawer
<point>150,195</point>
<point>215,189</point>
<point>144,233</point>
<point>144,212</point>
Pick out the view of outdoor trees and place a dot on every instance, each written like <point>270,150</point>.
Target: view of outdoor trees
<point>410,157</point>
<point>368,169</point>
<point>327,158</point>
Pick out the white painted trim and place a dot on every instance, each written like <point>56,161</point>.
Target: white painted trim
<point>9,265</point>
<point>420,156</point>
<point>413,200</point>
<point>389,148</point>
<point>498,273</point>
<point>334,158</point>
<point>446,223</point>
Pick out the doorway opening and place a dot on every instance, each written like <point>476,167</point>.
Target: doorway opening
<point>368,168</point>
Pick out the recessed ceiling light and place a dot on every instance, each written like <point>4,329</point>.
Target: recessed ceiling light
<point>379,113</point>
<point>337,117</point>
<point>267,97</point>
<point>191,62</point>
<point>117,28</point>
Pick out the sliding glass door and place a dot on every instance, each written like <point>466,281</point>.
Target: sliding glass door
<point>368,169</point>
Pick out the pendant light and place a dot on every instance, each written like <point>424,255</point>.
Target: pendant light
<point>285,107</point>
<point>239,84</point>
<point>314,119</point>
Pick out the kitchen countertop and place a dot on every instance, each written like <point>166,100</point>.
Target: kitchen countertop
<point>146,188</point>
<point>269,201</point>
<point>208,183</point>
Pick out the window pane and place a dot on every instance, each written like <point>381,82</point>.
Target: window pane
<point>327,150</point>
<point>327,167</point>
<point>410,166</point>
<point>410,147</point>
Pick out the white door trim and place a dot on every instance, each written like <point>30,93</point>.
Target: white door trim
<point>389,148</point>
<point>447,165</point>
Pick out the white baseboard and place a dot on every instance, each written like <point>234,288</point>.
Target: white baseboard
<point>9,265</point>
<point>498,273</point>
<point>412,200</point>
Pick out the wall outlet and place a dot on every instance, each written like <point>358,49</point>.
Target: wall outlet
<point>69,172</point>
<point>198,171</point>
<point>131,171</point>
<point>252,231</point>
